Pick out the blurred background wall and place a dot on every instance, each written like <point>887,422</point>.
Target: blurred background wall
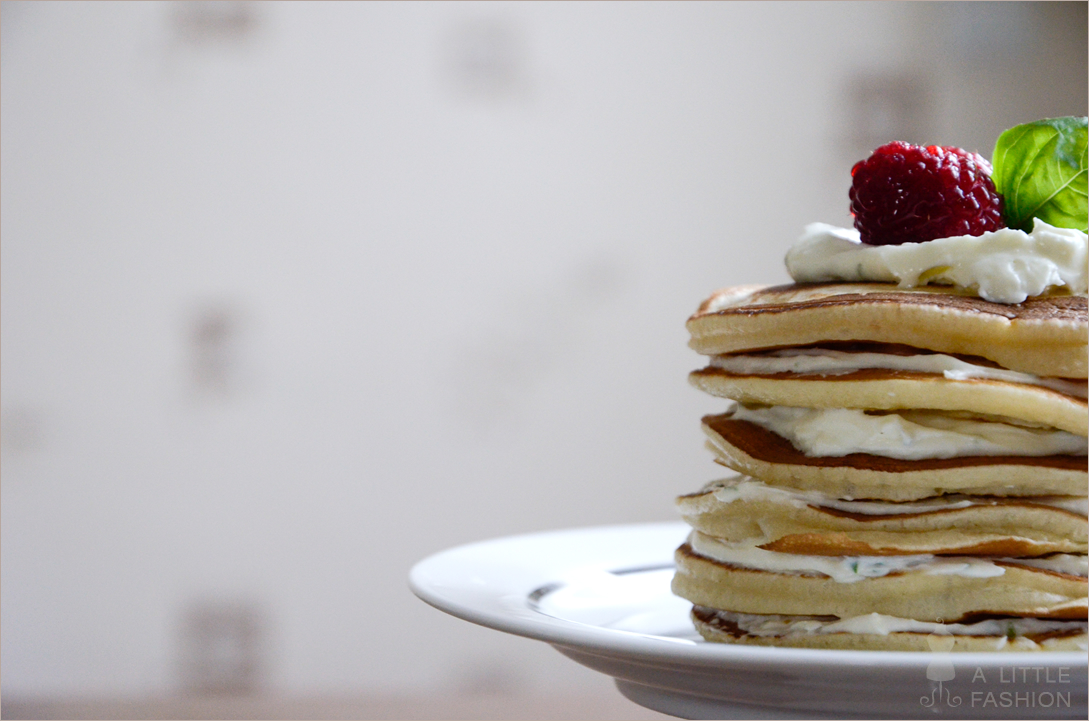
<point>296,294</point>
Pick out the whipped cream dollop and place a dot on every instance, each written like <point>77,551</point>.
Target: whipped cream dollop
<point>1002,266</point>
<point>907,435</point>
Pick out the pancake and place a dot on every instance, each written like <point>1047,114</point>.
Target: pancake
<point>743,509</point>
<point>914,469</point>
<point>1045,335</point>
<point>754,451</point>
<point>1019,590</point>
<point>881,389</point>
<point>878,633</point>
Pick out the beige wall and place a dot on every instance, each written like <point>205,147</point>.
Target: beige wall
<point>294,295</point>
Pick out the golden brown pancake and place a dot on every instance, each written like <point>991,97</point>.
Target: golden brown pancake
<point>745,510</point>
<point>722,627</point>
<point>1045,335</point>
<point>877,389</point>
<point>1020,591</point>
<point>754,451</point>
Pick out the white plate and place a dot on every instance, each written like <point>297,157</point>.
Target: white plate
<point>601,596</point>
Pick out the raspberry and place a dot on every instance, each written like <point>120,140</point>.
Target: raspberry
<point>909,194</point>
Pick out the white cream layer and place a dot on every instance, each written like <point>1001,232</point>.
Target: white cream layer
<point>744,488</point>
<point>881,625</point>
<point>907,435</point>
<point>842,569</point>
<point>851,569</point>
<point>828,362</point>
<point>1002,266</point>
<point>1071,563</point>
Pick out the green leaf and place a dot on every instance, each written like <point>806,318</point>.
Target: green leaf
<point>1040,171</point>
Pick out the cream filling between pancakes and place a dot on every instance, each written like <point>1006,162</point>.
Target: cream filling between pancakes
<point>907,435</point>
<point>830,362</point>
<point>882,625</point>
<point>842,569</point>
<point>851,569</point>
<point>743,488</point>
<point>1071,564</point>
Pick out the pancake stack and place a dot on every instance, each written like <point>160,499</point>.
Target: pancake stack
<point>909,462</point>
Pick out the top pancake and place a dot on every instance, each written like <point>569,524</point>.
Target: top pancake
<point>1046,335</point>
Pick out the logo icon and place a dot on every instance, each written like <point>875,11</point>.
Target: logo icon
<point>939,670</point>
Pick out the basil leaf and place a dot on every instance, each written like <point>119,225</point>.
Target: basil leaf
<point>1040,171</point>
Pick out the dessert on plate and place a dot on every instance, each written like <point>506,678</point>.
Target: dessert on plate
<point>907,421</point>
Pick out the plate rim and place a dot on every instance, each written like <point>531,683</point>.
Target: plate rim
<point>645,648</point>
